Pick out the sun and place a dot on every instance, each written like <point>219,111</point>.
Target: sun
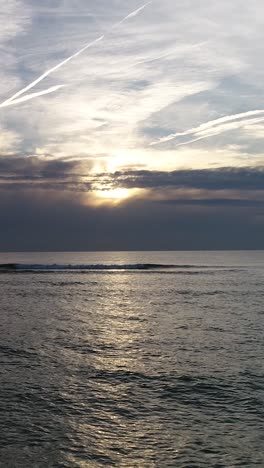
<point>114,195</point>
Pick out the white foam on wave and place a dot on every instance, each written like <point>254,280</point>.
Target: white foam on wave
<point>24,267</point>
<point>58,267</point>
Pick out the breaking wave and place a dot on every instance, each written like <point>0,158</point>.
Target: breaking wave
<point>57,267</point>
<point>23,267</point>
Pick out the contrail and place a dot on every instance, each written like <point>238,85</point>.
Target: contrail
<point>221,129</point>
<point>227,118</point>
<point>226,127</point>
<point>197,139</point>
<point>59,65</point>
<point>48,72</point>
<point>213,124</point>
<point>31,96</point>
<point>133,14</point>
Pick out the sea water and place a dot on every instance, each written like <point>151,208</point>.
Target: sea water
<point>132,359</point>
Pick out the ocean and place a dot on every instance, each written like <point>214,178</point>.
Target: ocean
<point>132,359</point>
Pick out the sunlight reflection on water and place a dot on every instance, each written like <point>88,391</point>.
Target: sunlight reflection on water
<point>133,368</point>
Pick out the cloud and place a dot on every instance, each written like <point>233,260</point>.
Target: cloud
<point>19,174</point>
<point>15,21</point>
<point>77,175</point>
<point>205,179</point>
<point>14,99</point>
<point>44,75</point>
<point>39,167</point>
<point>105,88</point>
<point>194,72</point>
<point>41,220</point>
<point>215,203</point>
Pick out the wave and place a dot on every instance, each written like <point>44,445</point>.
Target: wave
<point>55,267</point>
<point>24,267</point>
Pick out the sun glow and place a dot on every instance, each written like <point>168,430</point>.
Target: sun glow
<point>114,195</point>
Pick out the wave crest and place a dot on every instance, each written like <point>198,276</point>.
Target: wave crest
<point>57,267</point>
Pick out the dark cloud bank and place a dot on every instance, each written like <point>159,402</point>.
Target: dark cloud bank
<point>42,208</point>
<point>74,173</point>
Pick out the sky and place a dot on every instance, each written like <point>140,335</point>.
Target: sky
<point>127,125</point>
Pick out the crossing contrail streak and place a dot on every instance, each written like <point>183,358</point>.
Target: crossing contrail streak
<point>27,97</point>
<point>48,72</point>
<point>59,65</point>
<point>213,131</point>
<point>198,133</point>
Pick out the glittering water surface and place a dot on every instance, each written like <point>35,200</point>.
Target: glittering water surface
<point>133,368</point>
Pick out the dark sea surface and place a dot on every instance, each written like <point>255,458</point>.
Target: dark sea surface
<point>132,360</point>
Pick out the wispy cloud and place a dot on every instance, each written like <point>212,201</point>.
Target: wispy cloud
<point>161,74</point>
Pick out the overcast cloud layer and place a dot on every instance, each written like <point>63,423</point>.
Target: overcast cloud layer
<point>168,104</point>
